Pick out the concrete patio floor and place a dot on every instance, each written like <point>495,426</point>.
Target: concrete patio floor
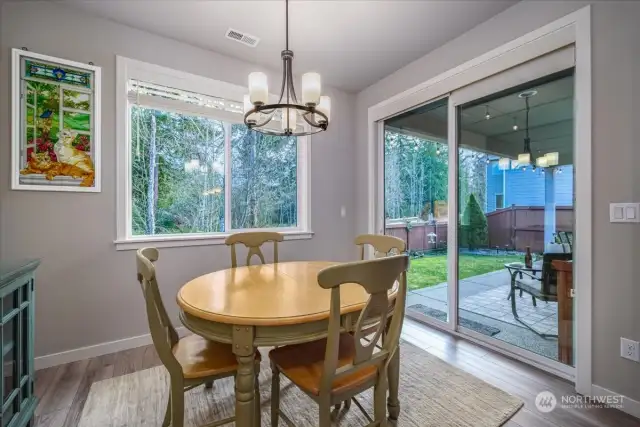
<point>483,299</point>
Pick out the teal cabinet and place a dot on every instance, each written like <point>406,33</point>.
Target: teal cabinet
<point>17,336</point>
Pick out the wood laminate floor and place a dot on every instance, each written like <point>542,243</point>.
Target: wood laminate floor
<point>63,390</point>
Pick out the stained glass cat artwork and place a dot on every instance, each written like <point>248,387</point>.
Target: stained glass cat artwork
<point>70,161</point>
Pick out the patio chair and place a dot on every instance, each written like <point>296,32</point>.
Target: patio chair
<point>567,238</point>
<point>543,287</point>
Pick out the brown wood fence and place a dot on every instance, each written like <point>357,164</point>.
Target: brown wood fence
<point>520,226</point>
<point>419,235</point>
<point>512,228</point>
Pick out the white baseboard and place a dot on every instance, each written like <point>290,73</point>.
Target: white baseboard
<point>629,406</point>
<point>55,359</point>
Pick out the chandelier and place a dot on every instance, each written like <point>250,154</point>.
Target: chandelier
<point>524,159</point>
<point>314,109</point>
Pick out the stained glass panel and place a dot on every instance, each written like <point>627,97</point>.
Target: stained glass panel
<point>76,100</point>
<point>31,98</point>
<point>77,121</point>
<point>57,107</point>
<point>30,114</point>
<point>57,73</point>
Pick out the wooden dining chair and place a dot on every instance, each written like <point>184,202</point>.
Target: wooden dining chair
<point>253,240</point>
<point>338,368</point>
<point>382,245</point>
<point>192,360</point>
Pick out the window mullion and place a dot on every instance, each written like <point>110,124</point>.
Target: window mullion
<point>227,176</point>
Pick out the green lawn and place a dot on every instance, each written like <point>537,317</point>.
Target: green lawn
<point>432,270</point>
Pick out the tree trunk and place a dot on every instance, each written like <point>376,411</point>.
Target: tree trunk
<point>153,180</point>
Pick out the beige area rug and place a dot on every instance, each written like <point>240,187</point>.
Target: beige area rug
<point>432,393</point>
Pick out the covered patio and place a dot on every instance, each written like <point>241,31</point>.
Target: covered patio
<point>484,308</point>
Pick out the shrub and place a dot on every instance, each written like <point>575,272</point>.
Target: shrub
<point>474,230</point>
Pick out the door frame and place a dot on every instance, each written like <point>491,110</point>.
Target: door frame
<point>574,28</point>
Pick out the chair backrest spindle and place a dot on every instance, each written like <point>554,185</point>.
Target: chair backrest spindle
<point>253,240</point>
<point>382,245</point>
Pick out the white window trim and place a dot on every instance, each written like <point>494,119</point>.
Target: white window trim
<point>127,69</point>
<point>574,28</point>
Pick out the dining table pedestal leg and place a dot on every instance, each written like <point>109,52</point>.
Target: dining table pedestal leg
<point>393,402</point>
<point>245,379</point>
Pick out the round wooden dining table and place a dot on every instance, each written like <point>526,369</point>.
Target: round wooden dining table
<point>270,305</point>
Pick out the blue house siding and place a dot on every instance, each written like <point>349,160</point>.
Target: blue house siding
<point>494,185</point>
<point>526,187</point>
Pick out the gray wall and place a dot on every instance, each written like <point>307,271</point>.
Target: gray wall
<point>87,292</point>
<point>616,154</point>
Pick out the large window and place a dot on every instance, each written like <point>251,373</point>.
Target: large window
<point>194,172</point>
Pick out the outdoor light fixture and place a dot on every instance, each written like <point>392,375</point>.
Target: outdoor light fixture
<point>515,124</point>
<point>542,162</point>
<point>552,158</point>
<point>314,109</point>
<point>525,158</point>
<point>486,112</point>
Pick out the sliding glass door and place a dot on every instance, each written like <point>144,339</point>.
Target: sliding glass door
<point>516,217</point>
<point>479,185</point>
<point>416,191</point>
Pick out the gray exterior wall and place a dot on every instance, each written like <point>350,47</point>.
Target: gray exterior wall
<point>87,291</point>
<point>616,154</point>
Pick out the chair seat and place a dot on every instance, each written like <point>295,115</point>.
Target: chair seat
<point>303,365</point>
<point>200,357</point>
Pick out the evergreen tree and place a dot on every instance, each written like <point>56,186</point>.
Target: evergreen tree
<point>474,230</point>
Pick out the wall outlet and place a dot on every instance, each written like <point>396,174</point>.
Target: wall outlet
<point>630,349</point>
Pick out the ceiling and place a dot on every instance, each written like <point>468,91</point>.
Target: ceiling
<point>351,43</point>
<point>550,122</point>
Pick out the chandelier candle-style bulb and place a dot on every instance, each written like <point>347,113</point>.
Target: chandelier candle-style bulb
<point>289,125</point>
<point>311,88</point>
<point>524,158</point>
<point>258,88</point>
<point>325,108</point>
<point>552,158</point>
<point>541,162</point>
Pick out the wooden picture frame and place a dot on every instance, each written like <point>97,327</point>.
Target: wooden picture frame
<point>55,117</point>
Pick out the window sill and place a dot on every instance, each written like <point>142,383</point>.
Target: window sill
<point>193,240</point>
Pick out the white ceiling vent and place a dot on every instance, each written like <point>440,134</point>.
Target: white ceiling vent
<point>244,38</point>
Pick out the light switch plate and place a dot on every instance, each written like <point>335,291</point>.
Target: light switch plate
<point>624,212</point>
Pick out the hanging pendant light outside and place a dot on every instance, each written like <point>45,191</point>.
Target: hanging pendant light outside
<point>515,124</point>
<point>552,158</point>
<point>315,109</point>
<point>526,157</point>
<point>487,116</point>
